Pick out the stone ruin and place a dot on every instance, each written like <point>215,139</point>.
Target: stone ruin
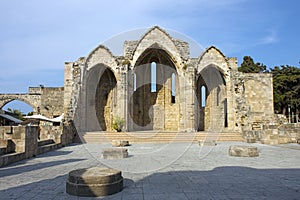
<point>156,85</point>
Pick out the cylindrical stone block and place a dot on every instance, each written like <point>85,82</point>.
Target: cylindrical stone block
<point>94,182</point>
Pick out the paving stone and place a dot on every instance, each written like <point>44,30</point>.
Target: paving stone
<point>272,175</point>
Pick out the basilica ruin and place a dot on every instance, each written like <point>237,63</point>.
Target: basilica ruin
<point>155,86</point>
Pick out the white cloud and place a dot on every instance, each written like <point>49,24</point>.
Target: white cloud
<point>269,38</point>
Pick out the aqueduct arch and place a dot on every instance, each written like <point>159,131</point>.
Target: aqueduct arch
<point>34,100</point>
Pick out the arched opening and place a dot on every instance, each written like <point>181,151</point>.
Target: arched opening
<point>134,82</point>
<point>212,100</point>
<point>17,109</point>
<point>153,105</point>
<point>173,87</point>
<point>153,77</point>
<point>105,100</point>
<point>203,96</point>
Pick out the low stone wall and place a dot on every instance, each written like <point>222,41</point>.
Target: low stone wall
<point>273,134</point>
<point>51,132</point>
<point>23,140</point>
<point>290,130</point>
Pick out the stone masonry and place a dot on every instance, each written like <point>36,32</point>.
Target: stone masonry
<point>155,85</point>
<point>102,86</point>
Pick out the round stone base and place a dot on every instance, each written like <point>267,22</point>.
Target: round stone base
<point>243,151</point>
<point>94,182</point>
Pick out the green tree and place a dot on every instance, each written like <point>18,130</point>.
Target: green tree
<point>248,66</point>
<point>286,88</point>
<point>16,113</point>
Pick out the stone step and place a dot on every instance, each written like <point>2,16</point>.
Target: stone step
<point>163,137</point>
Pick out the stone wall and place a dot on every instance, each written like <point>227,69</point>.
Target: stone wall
<point>21,142</point>
<point>235,101</point>
<point>274,134</point>
<point>52,101</point>
<point>24,139</point>
<point>52,133</point>
<point>254,100</point>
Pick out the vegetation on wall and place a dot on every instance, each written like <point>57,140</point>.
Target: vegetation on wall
<point>118,124</point>
<point>286,84</point>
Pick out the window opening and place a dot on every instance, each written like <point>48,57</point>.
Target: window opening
<point>203,96</point>
<point>173,85</point>
<point>153,77</point>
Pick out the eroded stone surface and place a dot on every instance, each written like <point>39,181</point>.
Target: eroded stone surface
<point>120,143</point>
<point>95,181</point>
<point>207,142</point>
<point>114,153</point>
<point>243,151</point>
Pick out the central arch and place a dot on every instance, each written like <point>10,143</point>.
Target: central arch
<point>154,103</point>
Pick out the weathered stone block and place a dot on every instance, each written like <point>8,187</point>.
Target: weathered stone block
<point>94,182</point>
<point>207,142</point>
<point>243,151</point>
<point>120,143</point>
<point>250,140</point>
<point>114,153</point>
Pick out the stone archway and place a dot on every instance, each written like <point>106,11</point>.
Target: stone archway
<point>211,115</point>
<point>154,104</point>
<point>105,100</point>
<point>34,100</point>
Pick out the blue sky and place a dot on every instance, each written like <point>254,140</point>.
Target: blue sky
<point>37,37</point>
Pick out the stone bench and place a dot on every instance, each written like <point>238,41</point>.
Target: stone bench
<point>243,151</point>
<point>120,143</point>
<point>94,182</point>
<point>114,153</point>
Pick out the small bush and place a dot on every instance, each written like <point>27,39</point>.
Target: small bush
<point>118,124</point>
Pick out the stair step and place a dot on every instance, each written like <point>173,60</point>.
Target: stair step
<point>158,137</point>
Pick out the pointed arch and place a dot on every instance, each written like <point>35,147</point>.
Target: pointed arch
<point>158,38</point>
<point>213,56</point>
<point>101,55</point>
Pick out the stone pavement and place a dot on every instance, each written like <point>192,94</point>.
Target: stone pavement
<point>163,171</point>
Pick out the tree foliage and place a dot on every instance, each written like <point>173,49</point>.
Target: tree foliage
<point>16,113</point>
<point>286,88</point>
<point>248,66</point>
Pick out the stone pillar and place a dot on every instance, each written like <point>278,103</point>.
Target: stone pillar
<point>187,101</point>
<point>31,143</point>
<point>121,100</point>
<point>130,101</point>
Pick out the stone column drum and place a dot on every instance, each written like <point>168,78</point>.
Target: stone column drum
<point>94,182</point>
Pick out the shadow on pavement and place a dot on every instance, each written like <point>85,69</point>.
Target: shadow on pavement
<point>219,183</point>
<point>16,169</point>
